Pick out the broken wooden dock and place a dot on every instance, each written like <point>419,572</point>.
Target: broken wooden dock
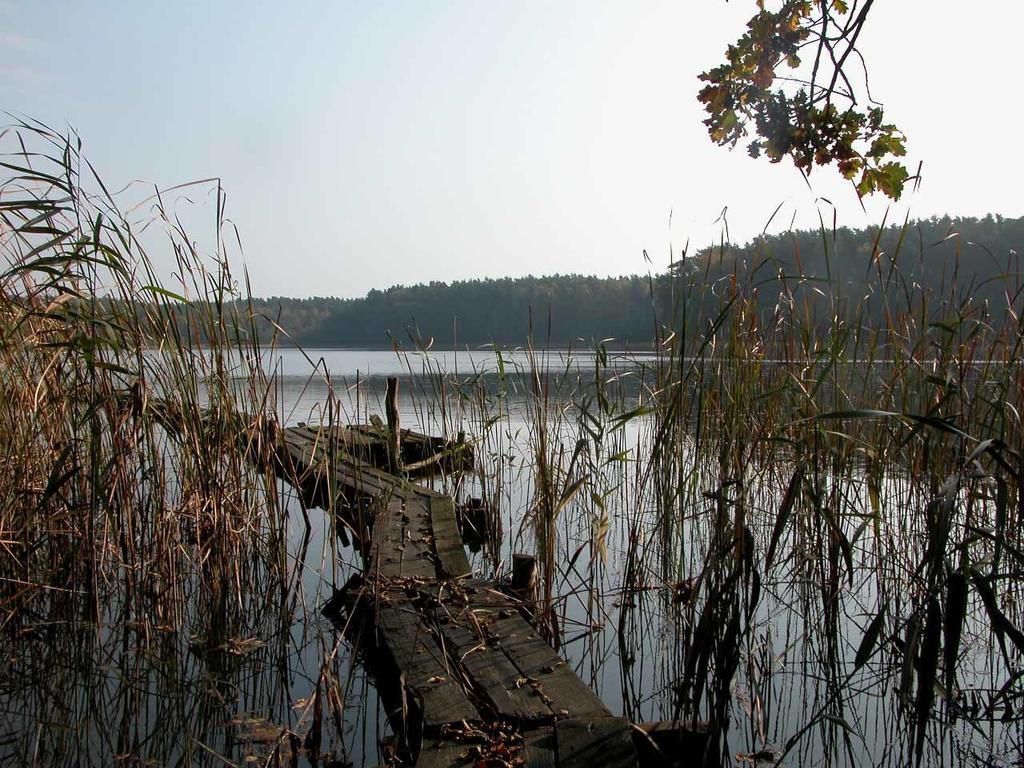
<point>469,679</point>
<point>473,674</point>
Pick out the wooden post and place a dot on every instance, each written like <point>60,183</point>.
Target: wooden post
<point>394,429</point>
<point>524,575</point>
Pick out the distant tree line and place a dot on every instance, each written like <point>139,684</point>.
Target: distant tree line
<point>935,267</point>
<point>944,263</point>
<point>562,308</point>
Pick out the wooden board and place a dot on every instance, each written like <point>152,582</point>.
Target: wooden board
<point>401,547</point>
<point>422,667</point>
<point>585,743</point>
<point>451,553</point>
<point>547,672</point>
<point>494,677</point>
<point>442,754</point>
<point>313,451</point>
<point>369,445</point>
<point>458,648</point>
<point>540,749</point>
<point>315,466</point>
<point>417,446</point>
<point>478,595</point>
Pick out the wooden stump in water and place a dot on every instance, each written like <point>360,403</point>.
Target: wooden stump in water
<point>524,575</point>
<point>394,428</point>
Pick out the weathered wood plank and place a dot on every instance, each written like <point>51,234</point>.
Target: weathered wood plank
<point>388,551</point>
<point>444,754</point>
<point>429,616</point>
<point>313,463</point>
<point>325,445</point>
<point>586,742</point>
<point>430,623</point>
<point>547,672</point>
<point>424,454</point>
<point>478,595</point>
<point>307,469</point>
<point>400,547</point>
<point>422,667</point>
<point>451,553</point>
<point>540,749</point>
<point>499,681</point>
<point>359,447</point>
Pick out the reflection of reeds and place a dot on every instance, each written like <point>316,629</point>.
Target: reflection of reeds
<point>800,499</point>
<point>802,523</point>
<point>146,568</point>
<point>850,429</point>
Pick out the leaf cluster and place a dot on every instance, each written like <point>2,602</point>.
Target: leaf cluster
<point>814,119</point>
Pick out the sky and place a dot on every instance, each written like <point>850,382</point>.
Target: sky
<point>368,144</point>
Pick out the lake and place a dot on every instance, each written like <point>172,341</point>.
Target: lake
<point>651,612</point>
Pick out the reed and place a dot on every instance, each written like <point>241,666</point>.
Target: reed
<point>794,491</point>
<point>789,451</point>
<point>146,556</point>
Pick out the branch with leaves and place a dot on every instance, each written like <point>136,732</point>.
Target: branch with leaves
<point>790,78</point>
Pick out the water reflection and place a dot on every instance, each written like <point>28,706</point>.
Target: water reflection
<point>666,603</point>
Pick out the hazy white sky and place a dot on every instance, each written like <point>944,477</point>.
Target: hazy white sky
<point>364,144</point>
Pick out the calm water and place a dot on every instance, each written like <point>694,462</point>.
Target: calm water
<point>110,693</point>
<point>792,665</point>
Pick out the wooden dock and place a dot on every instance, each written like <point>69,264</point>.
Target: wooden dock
<point>468,679</point>
<point>475,680</point>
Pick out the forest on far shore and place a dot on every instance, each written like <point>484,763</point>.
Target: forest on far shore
<point>845,271</point>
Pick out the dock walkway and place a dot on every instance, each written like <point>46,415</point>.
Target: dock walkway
<point>475,682</point>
